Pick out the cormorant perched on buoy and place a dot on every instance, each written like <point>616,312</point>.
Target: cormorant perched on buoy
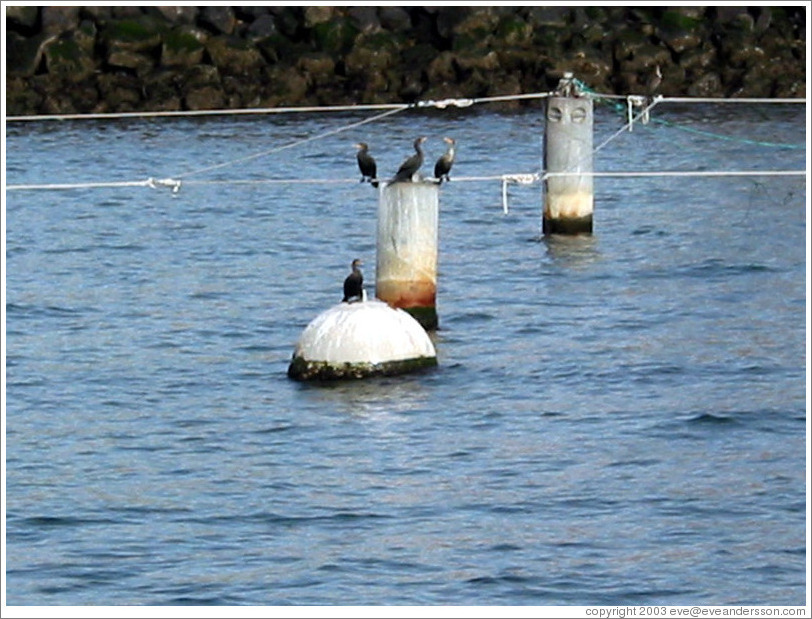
<point>443,166</point>
<point>366,164</point>
<point>354,284</point>
<point>412,164</point>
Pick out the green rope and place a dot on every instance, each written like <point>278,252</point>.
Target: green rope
<point>719,136</point>
<point>621,109</point>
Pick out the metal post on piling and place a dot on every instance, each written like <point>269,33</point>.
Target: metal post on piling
<point>406,266</point>
<point>568,199</point>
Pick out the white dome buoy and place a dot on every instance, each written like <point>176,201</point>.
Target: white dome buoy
<point>356,340</point>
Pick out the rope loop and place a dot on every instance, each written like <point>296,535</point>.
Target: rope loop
<point>444,103</point>
<point>154,183</point>
<point>521,179</point>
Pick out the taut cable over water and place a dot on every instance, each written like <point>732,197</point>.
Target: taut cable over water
<point>174,182</point>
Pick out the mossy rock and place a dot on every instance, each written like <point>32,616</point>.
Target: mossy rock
<point>646,57</point>
<point>24,55</point>
<point>137,35</point>
<point>286,86</point>
<point>318,67</point>
<point>65,58</point>
<point>205,98</point>
<point>707,85</point>
<point>140,63</point>
<point>234,55</point>
<point>335,36</point>
<point>549,40</point>
<point>418,56</point>
<point>682,41</point>
<point>85,36</point>
<point>514,31</point>
<point>185,39</point>
<point>521,60</point>
<point>472,41</point>
<point>121,93</point>
<point>183,46</point>
<point>442,69</point>
<point>24,16</point>
<point>363,59</point>
<point>390,42</point>
<point>201,75</point>
<point>488,62</point>
<point>747,55</point>
<point>675,19</point>
<point>698,59</point>
<point>627,41</point>
<point>21,99</point>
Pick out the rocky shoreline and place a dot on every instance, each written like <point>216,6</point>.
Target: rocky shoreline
<point>63,59</point>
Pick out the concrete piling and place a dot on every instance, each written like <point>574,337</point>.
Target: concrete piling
<point>407,241</point>
<point>568,199</point>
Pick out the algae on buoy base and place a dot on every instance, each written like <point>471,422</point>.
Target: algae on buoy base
<point>358,340</point>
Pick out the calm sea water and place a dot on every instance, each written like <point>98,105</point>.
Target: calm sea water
<point>615,419</point>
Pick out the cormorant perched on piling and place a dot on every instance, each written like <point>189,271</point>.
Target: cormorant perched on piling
<point>366,164</point>
<point>443,166</point>
<point>354,284</point>
<point>412,164</point>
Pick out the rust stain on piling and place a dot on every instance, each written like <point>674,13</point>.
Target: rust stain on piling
<point>406,294</point>
<point>418,298</point>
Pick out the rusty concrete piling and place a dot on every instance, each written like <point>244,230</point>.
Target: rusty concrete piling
<point>407,242</point>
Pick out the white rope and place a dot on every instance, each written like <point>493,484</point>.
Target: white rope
<point>663,99</point>
<point>152,183</point>
<point>219,112</point>
<point>280,181</point>
<point>731,100</point>
<point>278,149</point>
<point>685,173</point>
<point>505,179</point>
<point>442,104</point>
<point>522,179</point>
<point>632,99</point>
<point>175,183</point>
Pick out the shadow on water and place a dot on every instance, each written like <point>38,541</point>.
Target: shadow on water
<point>369,397</point>
<point>572,251</point>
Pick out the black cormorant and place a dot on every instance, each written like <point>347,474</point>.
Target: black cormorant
<point>354,284</point>
<point>366,164</point>
<point>412,164</point>
<point>443,166</point>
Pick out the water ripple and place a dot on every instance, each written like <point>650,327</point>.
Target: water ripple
<point>616,418</point>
